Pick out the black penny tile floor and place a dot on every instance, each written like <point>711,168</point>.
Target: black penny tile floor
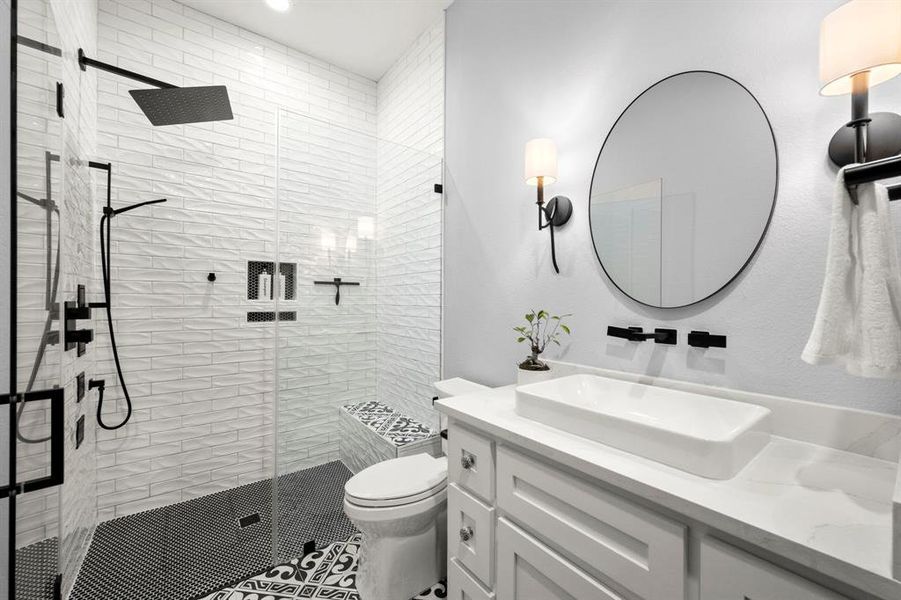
<point>190,549</point>
<point>329,573</point>
<point>36,568</point>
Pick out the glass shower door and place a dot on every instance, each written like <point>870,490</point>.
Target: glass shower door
<point>359,246</point>
<point>33,411</point>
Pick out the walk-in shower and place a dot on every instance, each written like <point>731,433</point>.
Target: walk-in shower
<point>201,427</point>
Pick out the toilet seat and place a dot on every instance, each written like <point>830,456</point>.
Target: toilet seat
<point>397,482</point>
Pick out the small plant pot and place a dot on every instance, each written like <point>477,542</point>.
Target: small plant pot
<point>533,370</point>
<point>533,364</point>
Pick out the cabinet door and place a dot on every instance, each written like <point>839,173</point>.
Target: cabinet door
<point>470,533</point>
<point>630,547</point>
<point>727,573</point>
<point>470,462</point>
<point>529,570</point>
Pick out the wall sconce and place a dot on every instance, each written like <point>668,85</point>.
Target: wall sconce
<point>860,47</point>
<point>541,170</point>
<point>365,228</point>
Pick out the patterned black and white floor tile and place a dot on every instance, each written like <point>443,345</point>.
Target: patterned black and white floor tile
<point>329,573</point>
<point>392,425</point>
<point>192,548</point>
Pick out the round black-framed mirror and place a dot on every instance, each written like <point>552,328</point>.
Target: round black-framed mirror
<point>683,189</point>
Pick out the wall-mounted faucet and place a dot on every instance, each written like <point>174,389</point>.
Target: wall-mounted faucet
<point>637,334</point>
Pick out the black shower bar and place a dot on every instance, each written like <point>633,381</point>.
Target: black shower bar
<point>875,171</point>
<point>337,282</point>
<point>84,62</point>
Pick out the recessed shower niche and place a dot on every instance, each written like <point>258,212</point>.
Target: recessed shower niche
<point>263,284</point>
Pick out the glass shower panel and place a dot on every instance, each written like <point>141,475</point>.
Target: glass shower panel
<point>409,231</point>
<point>326,337</point>
<point>7,541</point>
<point>38,359</point>
<point>359,230</point>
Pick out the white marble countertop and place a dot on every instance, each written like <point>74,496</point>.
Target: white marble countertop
<point>823,508</point>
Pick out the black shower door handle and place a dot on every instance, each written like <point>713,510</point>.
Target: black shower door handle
<point>56,397</point>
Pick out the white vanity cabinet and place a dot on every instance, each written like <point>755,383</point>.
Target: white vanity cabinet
<point>520,527</point>
<point>727,573</point>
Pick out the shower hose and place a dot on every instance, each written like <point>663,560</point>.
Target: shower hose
<point>105,248</point>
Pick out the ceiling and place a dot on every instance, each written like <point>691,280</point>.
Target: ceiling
<point>365,37</point>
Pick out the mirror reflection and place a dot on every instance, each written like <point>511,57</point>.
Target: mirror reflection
<point>683,189</point>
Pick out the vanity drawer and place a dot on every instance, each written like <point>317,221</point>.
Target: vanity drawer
<point>470,462</point>
<point>529,570</point>
<point>470,533</point>
<point>728,573</point>
<point>629,546</point>
<point>462,586</point>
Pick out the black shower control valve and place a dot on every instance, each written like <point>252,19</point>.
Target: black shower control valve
<point>76,311</point>
<point>96,383</point>
<point>211,277</point>
<point>704,339</point>
<point>79,336</point>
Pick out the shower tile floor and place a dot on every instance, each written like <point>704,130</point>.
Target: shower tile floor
<point>193,548</point>
<point>327,573</point>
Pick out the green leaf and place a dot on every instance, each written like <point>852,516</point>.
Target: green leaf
<point>556,342</point>
<point>542,314</point>
<point>522,339</point>
<point>530,317</point>
<point>565,328</point>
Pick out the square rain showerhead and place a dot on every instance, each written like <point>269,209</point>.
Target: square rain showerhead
<point>177,105</point>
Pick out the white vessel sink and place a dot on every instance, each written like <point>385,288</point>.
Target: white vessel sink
<point>705,435</point>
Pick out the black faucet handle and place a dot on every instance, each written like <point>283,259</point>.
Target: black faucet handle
<point>704,339</point>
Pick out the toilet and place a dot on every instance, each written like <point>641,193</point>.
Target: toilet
<point>400,507</point>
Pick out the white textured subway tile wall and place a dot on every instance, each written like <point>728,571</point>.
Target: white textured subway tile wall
<point>298,161</point>
<point>409,216</point>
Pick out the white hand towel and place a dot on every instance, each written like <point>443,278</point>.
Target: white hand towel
<point>858,322</point>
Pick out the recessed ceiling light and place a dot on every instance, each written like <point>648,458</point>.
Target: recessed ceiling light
<point>279,5</point>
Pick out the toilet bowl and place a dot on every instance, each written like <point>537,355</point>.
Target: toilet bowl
<point>400,507</point>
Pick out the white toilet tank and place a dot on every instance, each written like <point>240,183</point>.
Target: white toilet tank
<point>448,388</point>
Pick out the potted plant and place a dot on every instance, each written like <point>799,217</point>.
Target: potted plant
<point>541,328</point>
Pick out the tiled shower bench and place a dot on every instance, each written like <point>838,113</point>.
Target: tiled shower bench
<point>372,432</point>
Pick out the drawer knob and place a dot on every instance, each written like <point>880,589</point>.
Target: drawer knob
<point>467,461</point>
<point>466,533</point>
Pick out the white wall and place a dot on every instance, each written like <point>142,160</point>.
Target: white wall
<point>565,70</point>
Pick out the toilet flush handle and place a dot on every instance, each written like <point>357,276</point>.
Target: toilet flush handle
<point>466,533</point>
<point>467,461</point>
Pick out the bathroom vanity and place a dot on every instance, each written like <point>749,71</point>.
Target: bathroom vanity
<point>536,512</point>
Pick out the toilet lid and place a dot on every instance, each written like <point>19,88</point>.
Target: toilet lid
<point>398,481</point>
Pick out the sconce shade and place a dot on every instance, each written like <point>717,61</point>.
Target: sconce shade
<point>860,36</point>
<point>365,228</point>
<point>541,161</point>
